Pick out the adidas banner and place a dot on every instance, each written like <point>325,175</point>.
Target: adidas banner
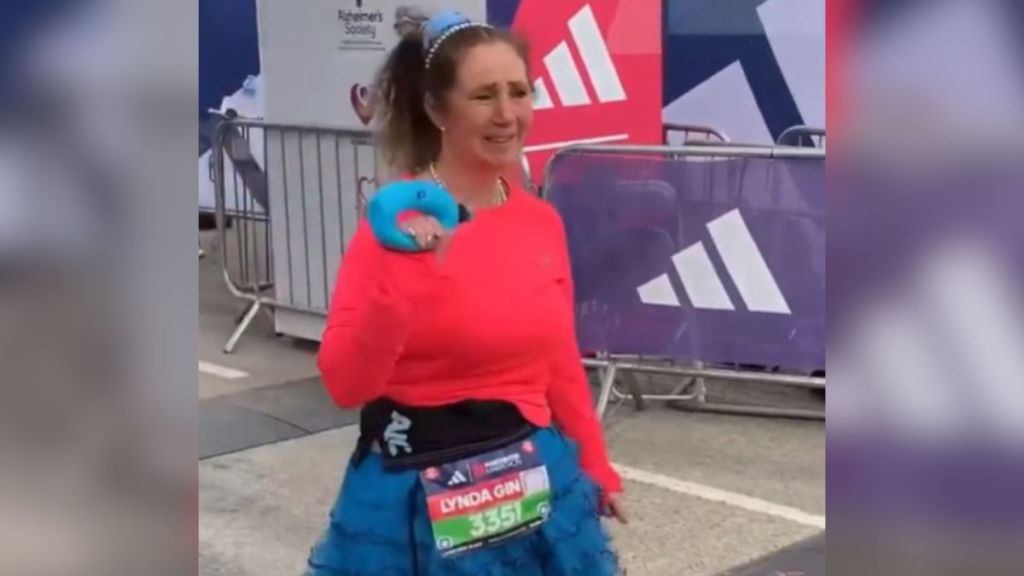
<point>713,259</point>
<point>596,68</point>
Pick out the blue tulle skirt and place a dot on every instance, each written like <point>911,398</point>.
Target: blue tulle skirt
<point>379,516</point>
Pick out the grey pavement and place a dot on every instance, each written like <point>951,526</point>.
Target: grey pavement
<point>273,449</point>
<point>264,415</point>
<point>781,461</point>
<point>266,358</point>
<point>804,558</point>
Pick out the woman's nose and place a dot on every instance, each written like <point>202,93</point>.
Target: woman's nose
<point>503,111</point>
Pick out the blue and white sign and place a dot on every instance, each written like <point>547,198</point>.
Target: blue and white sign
<point>748,68</point>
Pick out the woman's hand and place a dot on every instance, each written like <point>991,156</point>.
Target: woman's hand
<point>613,507</point>
<point>428,233</point>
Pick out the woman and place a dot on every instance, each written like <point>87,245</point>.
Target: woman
<point>463,355</point>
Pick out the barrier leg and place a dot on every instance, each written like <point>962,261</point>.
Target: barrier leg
<point>242,326</point>
<point>686,384</point>
<point>634,390</point>
<point>702,389</point>
<point>607,381</point>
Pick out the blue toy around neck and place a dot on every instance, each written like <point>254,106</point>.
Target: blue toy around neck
<point>421,196</point>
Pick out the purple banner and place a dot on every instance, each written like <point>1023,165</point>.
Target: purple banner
<point>713,259</point>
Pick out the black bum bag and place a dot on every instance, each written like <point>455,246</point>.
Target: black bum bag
<point>416,437</point>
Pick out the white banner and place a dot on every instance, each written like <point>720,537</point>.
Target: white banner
<point>319,56</point>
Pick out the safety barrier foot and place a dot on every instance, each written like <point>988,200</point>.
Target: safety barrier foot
<point>242,326</point>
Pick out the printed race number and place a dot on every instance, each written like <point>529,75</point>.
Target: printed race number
<point>495,520</point>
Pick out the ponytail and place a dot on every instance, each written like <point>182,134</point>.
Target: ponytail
<point>408,138</point>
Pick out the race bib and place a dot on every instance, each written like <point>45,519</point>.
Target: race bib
<point>479,501</point>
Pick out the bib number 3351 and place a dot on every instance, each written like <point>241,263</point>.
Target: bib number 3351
<point>480,501</point>
<point>495,520</point>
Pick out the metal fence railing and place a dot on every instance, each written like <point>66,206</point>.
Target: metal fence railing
<point>293,195</point>
<point>803,136</point>
<point>633,211</point>
<point>675,134</point>
<point>288,199</point>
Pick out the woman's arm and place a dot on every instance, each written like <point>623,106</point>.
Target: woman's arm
<point>368,323</point>
<point>572,404</point>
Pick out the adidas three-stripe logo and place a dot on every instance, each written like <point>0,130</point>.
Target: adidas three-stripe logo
<point>564,74</point>
<point>743,262</point>
<point>457,478</point>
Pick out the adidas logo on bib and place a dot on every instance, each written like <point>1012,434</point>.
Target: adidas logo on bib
<point>457,478</point>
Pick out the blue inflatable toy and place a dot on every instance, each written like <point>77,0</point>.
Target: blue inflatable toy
<point>421,196</point>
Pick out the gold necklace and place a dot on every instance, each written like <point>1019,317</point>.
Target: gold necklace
<point>499,198</point>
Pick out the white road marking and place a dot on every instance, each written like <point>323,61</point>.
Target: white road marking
<point>722,496</point>
<point>221,371</point>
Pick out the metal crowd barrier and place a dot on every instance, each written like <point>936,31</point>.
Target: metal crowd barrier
<point>298,192</point>
<point>696,261</point>
<point>805,136</point>
<point>704,133</point>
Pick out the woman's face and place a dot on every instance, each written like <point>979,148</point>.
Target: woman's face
<point>490,108</point>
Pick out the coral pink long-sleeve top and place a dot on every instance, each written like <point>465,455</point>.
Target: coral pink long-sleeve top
<point>491,319</point>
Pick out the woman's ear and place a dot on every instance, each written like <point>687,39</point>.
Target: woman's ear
<point>433,112</point>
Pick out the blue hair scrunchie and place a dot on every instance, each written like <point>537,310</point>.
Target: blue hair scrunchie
<point>441,26</point>
<point>421,196</point>
<point>439,23</point>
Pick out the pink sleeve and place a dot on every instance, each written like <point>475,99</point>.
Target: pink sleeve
<point>572,404</point>
<point>368,323</point>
